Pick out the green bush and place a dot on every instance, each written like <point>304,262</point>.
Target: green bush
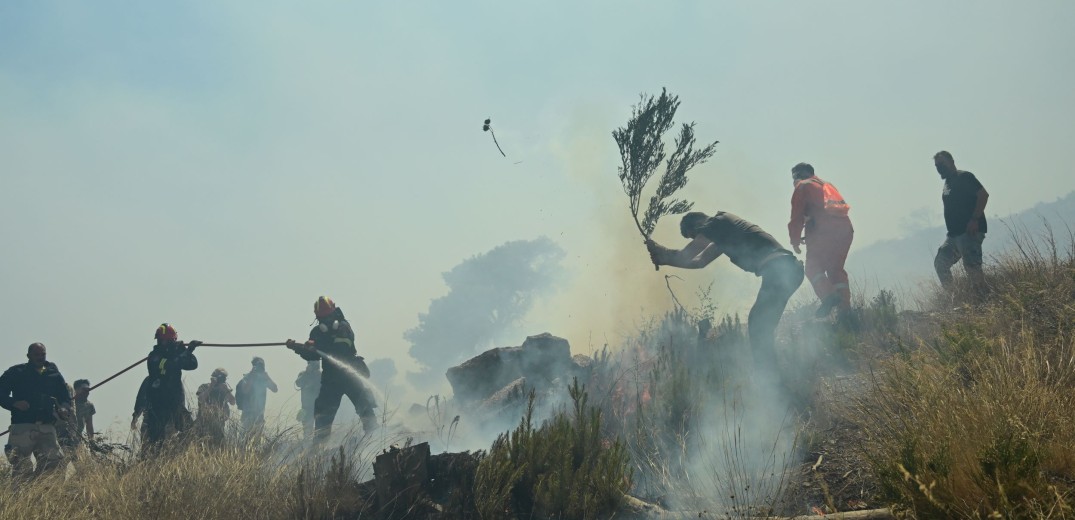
<point>564,469</point>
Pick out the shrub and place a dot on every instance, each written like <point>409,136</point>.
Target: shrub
<point>977,418</point>
<point>564,469</point>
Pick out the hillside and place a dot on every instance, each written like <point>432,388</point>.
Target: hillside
<point>903,263</point>
<point>962,409</point>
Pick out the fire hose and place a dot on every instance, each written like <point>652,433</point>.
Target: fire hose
<point>140,361</point>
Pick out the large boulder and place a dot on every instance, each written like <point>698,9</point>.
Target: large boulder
<point>505,400</point>
<point>541,360</point>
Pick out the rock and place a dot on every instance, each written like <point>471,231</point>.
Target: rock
<point>541,359</point>
<point>583,367</point>
<point>510,397</point>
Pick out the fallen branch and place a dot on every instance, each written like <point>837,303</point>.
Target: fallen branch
<point>641,510</point>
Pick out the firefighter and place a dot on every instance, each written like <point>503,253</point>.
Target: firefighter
<point>164,403</point>
<point>342,370</point>
<point>818,207</point>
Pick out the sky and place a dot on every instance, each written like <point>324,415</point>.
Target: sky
<point>219,166</point>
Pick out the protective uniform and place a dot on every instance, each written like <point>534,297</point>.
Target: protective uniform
<point>342,370</point>
<point>819,207</point>
<point>165,399</point>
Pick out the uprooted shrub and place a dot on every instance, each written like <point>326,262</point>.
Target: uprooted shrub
<point>564,469</point>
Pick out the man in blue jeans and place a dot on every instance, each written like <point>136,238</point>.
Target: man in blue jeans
<point>964,201</point>
<point>751,249</point>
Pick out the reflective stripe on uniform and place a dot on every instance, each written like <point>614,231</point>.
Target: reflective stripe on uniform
<point>344,340</point>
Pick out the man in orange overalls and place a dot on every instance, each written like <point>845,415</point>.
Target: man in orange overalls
<point>818,207</point>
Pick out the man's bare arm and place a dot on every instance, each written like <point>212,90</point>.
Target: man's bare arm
<point>979,212</point>
<point>706,257</point>
<point>691,256</point>
<point>979,208</point>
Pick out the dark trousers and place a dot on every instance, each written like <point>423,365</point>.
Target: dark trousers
<point>159,417</point>
<point>780,278</point>
<point>328,403</point>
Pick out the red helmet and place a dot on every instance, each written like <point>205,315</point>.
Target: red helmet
<point>167,332</point>
<point>324,307</point>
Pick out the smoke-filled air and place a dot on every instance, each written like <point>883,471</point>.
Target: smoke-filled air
<point>554,260</point>
<point>489,295</point>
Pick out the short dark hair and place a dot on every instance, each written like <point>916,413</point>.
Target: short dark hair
<point>803,168</point>
<point>945,154</point>
<point>82,382</point>
<point>690,222</point>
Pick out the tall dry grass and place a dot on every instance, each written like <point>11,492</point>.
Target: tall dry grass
<point>974,417</point>
<point>271,478</point>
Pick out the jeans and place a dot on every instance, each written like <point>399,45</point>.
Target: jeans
<point>965,247</point>
<point>780,278</point>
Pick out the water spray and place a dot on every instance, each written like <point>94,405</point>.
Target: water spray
<point>355,374</point>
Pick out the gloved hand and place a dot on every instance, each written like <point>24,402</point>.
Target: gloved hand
<point>296,346</point>
<point>193,345</point>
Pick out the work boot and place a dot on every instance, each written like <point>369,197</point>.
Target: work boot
<point>827,304</point>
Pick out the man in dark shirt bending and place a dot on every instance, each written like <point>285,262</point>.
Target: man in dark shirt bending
<point>751,249</point>
<point>964,201</point>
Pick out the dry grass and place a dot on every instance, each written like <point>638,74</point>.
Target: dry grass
<point>963,409</point>
<point>975,417</point>
<point>271,479</point>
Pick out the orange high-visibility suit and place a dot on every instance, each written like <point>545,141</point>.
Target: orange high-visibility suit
<point>819,208</point>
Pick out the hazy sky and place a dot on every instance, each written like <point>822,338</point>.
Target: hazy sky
<point>219,167</point>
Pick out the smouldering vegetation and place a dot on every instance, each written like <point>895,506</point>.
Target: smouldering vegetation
<point>961,408</point>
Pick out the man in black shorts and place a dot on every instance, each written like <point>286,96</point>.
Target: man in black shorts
<point>751,249</point>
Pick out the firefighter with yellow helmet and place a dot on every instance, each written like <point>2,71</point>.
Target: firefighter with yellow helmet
<point>343,371</point>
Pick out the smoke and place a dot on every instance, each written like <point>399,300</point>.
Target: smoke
<point>382,372</point>
<point>488,296</point>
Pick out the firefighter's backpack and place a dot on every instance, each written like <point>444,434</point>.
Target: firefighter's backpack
<point>242,394</point>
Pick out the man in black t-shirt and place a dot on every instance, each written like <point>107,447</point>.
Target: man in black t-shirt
<point>964,201</point>
<point>751,249</point>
